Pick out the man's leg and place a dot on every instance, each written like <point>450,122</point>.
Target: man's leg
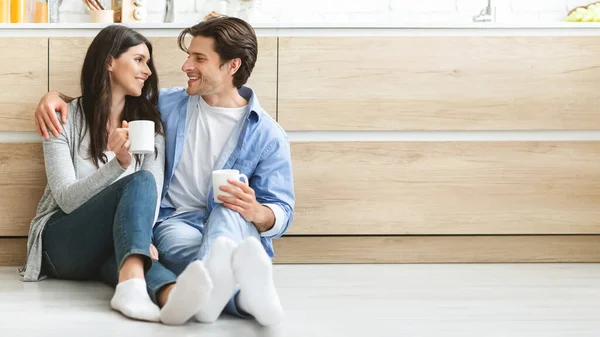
<point>178,240</point>
<point>225,233</point>
<point>224,222</point>
<point>253,271</point>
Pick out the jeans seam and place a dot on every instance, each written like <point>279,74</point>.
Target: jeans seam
<point>45,253</point>
<point>122,234</point>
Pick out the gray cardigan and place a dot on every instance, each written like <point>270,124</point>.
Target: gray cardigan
<point>66,192</point>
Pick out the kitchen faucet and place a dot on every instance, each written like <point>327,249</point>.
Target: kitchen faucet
<point>169,11</point>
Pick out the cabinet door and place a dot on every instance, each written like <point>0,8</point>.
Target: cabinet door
<point>23,81</point>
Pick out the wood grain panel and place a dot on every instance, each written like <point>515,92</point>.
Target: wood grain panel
<point>22,183</point>
<point>403,249</point>
<point>264,76</point>
<point>363,188</point>
<point>67,55</point>
<point>399,188</point>
<point>13,251</point>
<point>23,81</point>
<point>437,249</point>
<point>439,83</point>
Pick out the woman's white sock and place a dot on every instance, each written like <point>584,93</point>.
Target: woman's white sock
<point>132,300</point>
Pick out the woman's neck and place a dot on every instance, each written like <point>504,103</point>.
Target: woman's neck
<point>116,111</point>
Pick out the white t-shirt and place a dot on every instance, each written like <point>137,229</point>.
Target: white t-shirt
<point>207,132</point>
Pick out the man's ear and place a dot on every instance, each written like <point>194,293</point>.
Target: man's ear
<point>234,65</point>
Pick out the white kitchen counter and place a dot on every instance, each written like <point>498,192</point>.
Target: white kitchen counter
<point>417,29</point>
<point>334,29</point>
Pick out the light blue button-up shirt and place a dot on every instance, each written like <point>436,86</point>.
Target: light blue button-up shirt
<point>257,147</point>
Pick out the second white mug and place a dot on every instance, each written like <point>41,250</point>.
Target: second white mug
<point>141,136</point>
<point>219,177</point>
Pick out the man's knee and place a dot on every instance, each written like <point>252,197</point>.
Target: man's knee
<point>223,221</point>
<point>226,215</point>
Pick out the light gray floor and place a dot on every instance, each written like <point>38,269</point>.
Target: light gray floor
<point>346,300</point>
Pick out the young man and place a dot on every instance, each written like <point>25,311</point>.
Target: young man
<point>217,123</point>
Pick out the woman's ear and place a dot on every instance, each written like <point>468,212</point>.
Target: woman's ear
<point>110,63</point>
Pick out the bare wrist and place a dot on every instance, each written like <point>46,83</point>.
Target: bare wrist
<point>124,162</point>
<point>267,219</point>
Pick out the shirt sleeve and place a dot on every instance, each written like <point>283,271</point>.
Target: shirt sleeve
<point>279,217</point>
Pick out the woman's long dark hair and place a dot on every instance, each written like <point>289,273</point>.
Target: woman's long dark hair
<point>96,95</point>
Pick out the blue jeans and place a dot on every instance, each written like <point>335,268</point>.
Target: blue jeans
<point>188,236</point>
<point>93,241</point>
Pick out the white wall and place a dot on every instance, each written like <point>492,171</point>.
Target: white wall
<point>352,11</point>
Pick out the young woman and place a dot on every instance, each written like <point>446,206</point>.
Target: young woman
<point>95,218</point>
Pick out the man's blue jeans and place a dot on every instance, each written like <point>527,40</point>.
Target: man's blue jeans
<point>93,241</point>
<point>186,237</point>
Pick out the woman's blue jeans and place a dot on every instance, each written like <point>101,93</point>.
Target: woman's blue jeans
<point>93,241</point>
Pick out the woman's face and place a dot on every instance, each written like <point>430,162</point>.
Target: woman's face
<point>129,72</point>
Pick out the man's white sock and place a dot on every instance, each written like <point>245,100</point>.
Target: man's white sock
<point>132,300</point>
<point>218,264</point>
<point>254,272</point>
<point>191,292</point>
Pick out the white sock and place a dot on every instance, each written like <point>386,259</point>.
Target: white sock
<point>132,300</point>
<point>254,272</point>
<point>191,292</point>
<point>218,264</point>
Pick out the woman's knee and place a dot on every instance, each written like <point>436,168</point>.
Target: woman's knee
<point>143,177</point>
<point>145,181</point>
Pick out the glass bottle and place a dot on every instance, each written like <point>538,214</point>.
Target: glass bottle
<point>4,11</point>
<point>53,14</point>
<point>17,11</point>
<point>39,11</point>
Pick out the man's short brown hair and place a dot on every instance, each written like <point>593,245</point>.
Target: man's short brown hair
<point>234,38</point>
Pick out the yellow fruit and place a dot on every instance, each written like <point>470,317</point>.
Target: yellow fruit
<point>574,17</point>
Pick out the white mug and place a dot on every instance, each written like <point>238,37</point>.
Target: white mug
<point>141,136</point>
<point>219,178</point>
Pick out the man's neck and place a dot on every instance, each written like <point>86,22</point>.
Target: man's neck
<point>226,99</point>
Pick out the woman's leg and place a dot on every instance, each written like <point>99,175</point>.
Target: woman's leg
<point>179,297</point>
<point>116,222</point>
<point>159,280</point>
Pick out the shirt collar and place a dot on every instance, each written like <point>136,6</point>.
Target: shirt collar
<point>253,104</point>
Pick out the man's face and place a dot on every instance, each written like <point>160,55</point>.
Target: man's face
<point>206,75</point>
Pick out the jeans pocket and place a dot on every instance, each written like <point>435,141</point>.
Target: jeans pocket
<point>47,266</point>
